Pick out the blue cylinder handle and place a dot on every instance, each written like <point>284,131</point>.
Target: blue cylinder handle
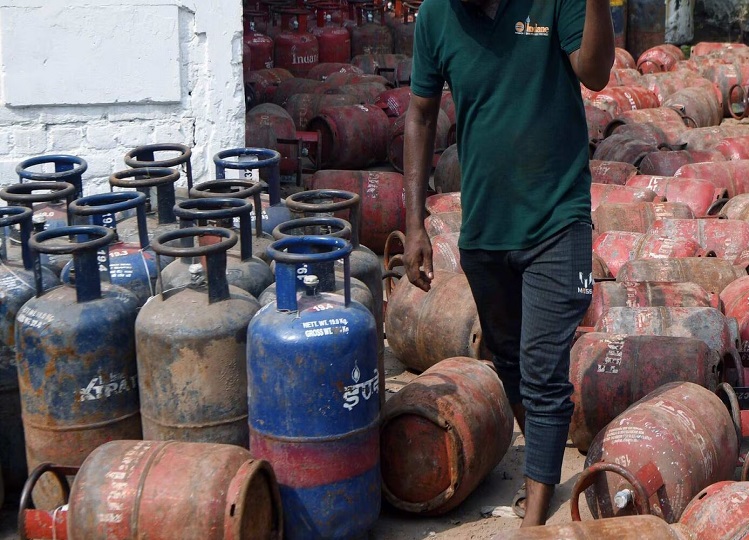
<point>215,254</point>
<point>266,158</point>
<point>162,178</point>
<point>143,156</point>
<point>85,256</point>
<point>236,189</point>
<point>298,248</point>
<point>67,169</point>
<point>221,208</point>
<point>309,202</point>
<point>102,204</point>
<point>19,215</point>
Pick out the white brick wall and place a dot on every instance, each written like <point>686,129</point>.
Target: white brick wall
<point>208,117</point>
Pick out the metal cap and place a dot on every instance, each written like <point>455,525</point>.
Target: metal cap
<point>36,219</point>
<point>311,281</point>
<point>195,269</point>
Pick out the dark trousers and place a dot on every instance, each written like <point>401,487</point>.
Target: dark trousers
<point>529,303</point>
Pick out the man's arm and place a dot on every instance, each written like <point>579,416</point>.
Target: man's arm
<point>593,60</point>
<point>420,130</point>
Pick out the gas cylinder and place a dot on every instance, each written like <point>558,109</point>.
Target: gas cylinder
<point>699,103</point>
<point>241,162</point>
<point>243,269</point>
<point>67,168</point>
<point>610,372</point>
<point>397,135</point>
<point>720,512</point>
<point>304,107</point>
<point>706,138</point>
<point>646,132</point>
<point>699,195</point>
<point>726,237</point>
<point>612,193</point>
<point>366,93</point>
<point>160,490</point>
<point>403,31</point>
<point>597,119</point>
<point>17,279</point>
<point>736,208</point>
<point>671,122</point>
<point>620,528</point>
<point>265,125</point>
<point>50,212</point>
<point>659,453</point>
<point>129,265</point>
<point>370,36</point>
<point>295,48</point>
<point>443,223</point>
<point>735,298</point>
<point>334,41</point>
<point>730,175</point>
<point>617,99</point>
<point>380,64</point>
<point>608,294</point>
<point>447,174</point>
<point>443,202</point>
<point>323,70</point>
<point>298,85</point>
<point>261,85</point>
<point>191,348</point>
<point>426,327</point>
<point>382,206</point>
<point>76,359</point>
<point>620,147</point>
<point>611,172</point>
<point>159,219</point>
<point>403,73</point>
<point>618,247</point>
<point>659,58</point>
<point>637,216</point>
<point>146,156</point>
<point>394,102</point>
<point>257,51</point>
<point>442,434</point>
<point>734,148</point>
<point>238,189</point>
<point>667,162</point>
<point>328,465</point>
<point>711,273</point>
<point>351,137</point>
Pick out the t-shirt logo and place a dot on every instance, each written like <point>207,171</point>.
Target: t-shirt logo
<point>530,29</point>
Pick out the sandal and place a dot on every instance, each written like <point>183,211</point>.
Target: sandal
<point>520,495</point>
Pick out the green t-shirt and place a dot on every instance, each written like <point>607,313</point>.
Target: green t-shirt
<point>522,134</point>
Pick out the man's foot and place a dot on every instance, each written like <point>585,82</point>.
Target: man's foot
<point>537,501</point>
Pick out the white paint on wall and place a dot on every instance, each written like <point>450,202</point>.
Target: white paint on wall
<point>96,79</point>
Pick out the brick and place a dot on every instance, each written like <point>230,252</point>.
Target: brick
<point>102,165</point>
<point>67,140</point>
<point>6,144</point>
<point>101,137</point>
<point>169,132</point>
<point>29,141</point>
<point>133,134</point>
<point>8,171</point>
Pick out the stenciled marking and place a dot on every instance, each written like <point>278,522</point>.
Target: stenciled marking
<point>116,483</point>
<point>118,383</point>
<point>366,389</point>
<point>614,352</point>
<point>325,327</point>
<point>34,318</point>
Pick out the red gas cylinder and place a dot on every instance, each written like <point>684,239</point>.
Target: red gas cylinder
<point>622,59</point>
<point>736,208</point>
<point>394,102</point>
<point>379,64</point>
<point>719,512</point>
<point>339,79</point>
<point>397,133</point>
<point>261,85</point>
<point>443,223</point>
<point>334,41</point>
<point>304,107</point>
<point>442,434</point>
<point>608,294</point>
<point>403,72</point>
<point>352,137</point>
<point>623,148</point>
<point>403,30</point>
<point>426,327</point>
<point>700,104</point>
<point>647,132</point>
<point>707,138</point>
<point>661,452</point>
<point>267,123</point>
<point>600,270</point>
<point>711,273</point>
<point>296,49</point>
<point>704,48</point>
<point>323,70</point>
<point>365,93</point>
<point>670,122</point>
<point>700,196</point>
<point>300,85</point>
<point>659,58</point>
<point>257,47</point>
<point>611,193</point>
<point>445,252</point>
<point>447,174</point>
<point>727,238</point>
<point>726,75</point>
<point>609,372</point>
<point>443,202</point>
<point>735,297</point>
<point>597,120</point>
<point>733,176</point>
<point>617,99</point>
<point>667,162</point>
<point>382,205</point>
<point>611,172</point>
<point>637,216</point>
<point>668,83</point>
<point>624,528</point>
<point>618,247</point>
<point>370,36</point>
<point>734,148</point>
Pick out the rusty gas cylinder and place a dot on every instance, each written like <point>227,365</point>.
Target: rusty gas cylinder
<point>711,273</point>
<point>397,135</point>
<point>702,196</point>
<point>257,48</point>
<point>342,78</point>
<point>160,490</point>
<point>618,247</point>
<point>727,238</point>
<point>659,58</point>
<point>611,172</point>
<point>394,101</point>
<point>706,138</point>
<point>736,208</point>
<point>624,528</point>
<point>303,107</point>
<point>734,148</point>
<point>426,327</point>
<point>299,85</point>
<point>667,162</point>
<point>617,99</point>
<point>382,205</point>
<point>623,148</point>
<point>699,103</point>
<point>647,132</point>
<point>731,175</point>
<point>442,434</point>
<point>637,216</point>
<point>443,202</point>
<point>261,85</point>
<point>704,48</point>
<point>726,75</point>
<point>719,512</point>
<point>447,174</point>
<point>597,120</point>
<point>445,252</point>
<point>659,453</point>
<point>442,223</point>
<point>334,41</point>
<point>610,372</point>
<point>365,93</point>
<point>600,270</point>
<point>352,137</point>
<point>612,193</point>
<point>623,59</point>
<point>381,64</point>
<point>664,84</point>
<point>296,49</point>
<point>323,70</point>
<point>735,298</point>
<point>608,294</point>
<point>369,36</point>
<point>265,124</point>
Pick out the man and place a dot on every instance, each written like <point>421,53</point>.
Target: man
<point>514,68</point>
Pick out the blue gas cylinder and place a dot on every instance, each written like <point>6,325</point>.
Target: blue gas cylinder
<point>76,359</point>
<point>130,264</point>
<point>240,162</point>
<point>313,395</point>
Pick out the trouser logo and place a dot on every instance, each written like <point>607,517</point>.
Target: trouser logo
<point>587,284</point>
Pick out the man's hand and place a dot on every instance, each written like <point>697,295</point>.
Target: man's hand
<point>417,257</point>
